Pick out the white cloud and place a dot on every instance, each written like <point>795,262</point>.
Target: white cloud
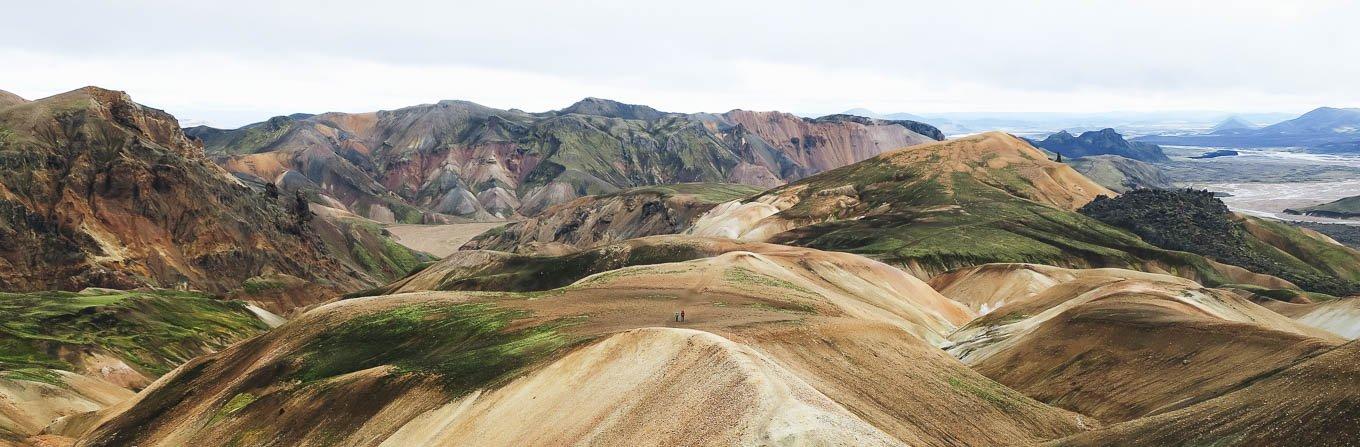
<point>231,63</point>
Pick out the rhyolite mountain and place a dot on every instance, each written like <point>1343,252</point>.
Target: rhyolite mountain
<point>99,191</point>
<point>427,162</point>
<point>1319,127</point>
<point>1100,142</point>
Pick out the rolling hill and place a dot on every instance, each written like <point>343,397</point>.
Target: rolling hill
<point>937,207</point>
<point>798,348</point>
<point>1117,345</point>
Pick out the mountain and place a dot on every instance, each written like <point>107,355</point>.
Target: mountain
<point>1121,174</point>
<point>1101,142</point>
<point>1319,127</point>
<point>97,190</point>
<point>424,163</point>
<point>937,207</point>
<point>1344,208</point>
<point>9,99</point>
<point>1198,222</point>
<point>782,345</point>
<point>1232,124</point>
<point>614,217</point>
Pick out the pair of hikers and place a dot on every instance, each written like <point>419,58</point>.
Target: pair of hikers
<point>680,316</point>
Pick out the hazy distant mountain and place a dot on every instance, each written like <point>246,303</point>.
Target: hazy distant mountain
<point>1231,125</point>
<point>1100,142</point>
<point>1318,127</point>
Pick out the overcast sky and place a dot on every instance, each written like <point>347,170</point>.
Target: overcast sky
<point>231,63</point>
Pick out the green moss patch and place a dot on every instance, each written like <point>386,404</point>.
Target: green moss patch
<point>152,331</point>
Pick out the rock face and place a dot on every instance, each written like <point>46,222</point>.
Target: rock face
<point>97,190</point>
<point>1101,142</point>
<point>463,159</point>
<point>1121,174</point>
<point>614,217</point>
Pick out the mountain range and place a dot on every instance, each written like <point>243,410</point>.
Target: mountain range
<point>456,158</point>
<point>1319,127</point>
<point>748,278</point>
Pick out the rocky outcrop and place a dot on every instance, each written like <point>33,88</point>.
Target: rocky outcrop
<point>458,158</point>
<point>1197,222</point>
<point>97,190</point>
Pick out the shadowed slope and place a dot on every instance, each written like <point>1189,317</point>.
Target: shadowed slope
<point>1118,345</point>
<point>1312,404</point>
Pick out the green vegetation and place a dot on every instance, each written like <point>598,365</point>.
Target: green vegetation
<point>6,137</point>
<point>739,275</point>
<point>233,406</point>
<point>467,345</point>
<point>152,331</point>
<point>258,284</point>
<point>40,375</point>
<point>998,395</point>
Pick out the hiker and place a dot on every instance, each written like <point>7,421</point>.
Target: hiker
<point>682,316</point>
<point>677,317</point>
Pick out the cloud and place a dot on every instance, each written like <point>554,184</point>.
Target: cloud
<point>230,63</point>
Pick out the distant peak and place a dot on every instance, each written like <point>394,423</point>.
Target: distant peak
<point>613,109</point>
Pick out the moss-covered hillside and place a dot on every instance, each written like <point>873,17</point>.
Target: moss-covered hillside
<point>1198,222</point>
